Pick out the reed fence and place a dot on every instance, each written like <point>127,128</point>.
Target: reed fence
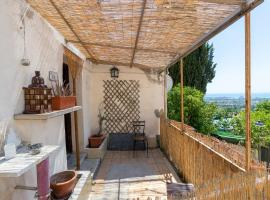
<point>205,162</point>
<point>235,153</point>
<point>241,186</point>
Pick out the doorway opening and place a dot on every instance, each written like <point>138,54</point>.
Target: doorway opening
<point>68,122</point>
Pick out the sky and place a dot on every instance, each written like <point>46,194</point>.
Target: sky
<point>229,54</point>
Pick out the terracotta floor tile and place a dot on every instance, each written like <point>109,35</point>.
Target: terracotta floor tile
<point>122,176</point>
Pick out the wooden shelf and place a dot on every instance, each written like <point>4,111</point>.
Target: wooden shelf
<point>45,116</point>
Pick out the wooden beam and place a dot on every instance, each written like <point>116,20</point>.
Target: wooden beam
<point>165,94</point>
<point>216,30</point>
<point>143,67</point>
<point>182,92</point>
<point>247,89</point>
<point>138,33</point>
<point>226,2</point>
<point>71,28</point>
<point>122,47</point>
<point>77,143</point>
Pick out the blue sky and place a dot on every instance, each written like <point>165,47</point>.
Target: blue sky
<point>230,55</point>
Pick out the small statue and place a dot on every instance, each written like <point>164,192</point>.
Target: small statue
<point>37,81</point>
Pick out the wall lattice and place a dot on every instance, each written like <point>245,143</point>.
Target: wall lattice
<point>121,104</point>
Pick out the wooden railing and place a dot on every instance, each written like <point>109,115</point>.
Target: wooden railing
<point>206,163</point>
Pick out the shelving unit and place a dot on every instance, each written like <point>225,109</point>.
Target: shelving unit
<point>45,116</point>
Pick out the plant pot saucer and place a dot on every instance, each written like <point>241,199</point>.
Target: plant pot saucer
<point>52,197</point>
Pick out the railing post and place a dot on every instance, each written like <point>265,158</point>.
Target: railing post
<point>165,94</point>
<point>182,92</point>
<point>247,89</point>
<point>77,143</point>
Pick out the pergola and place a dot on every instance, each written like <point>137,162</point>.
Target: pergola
<point>149,34</point>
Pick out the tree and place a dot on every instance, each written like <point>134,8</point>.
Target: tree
<point>198,113</point>
<point>260,124</point>
<point>263,106</point>
<point>224,113</point>
<point>199,68</point>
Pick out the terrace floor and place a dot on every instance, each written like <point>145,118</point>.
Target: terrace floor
<point>122,176</point>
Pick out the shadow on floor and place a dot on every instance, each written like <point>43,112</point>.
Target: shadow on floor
<point>122,176</point>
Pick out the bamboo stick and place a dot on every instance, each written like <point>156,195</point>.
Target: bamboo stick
<point>76,130</point>
<point>247,89</point>
<point>138,33</point>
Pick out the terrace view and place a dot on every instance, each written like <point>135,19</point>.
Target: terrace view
<point>111,99</point>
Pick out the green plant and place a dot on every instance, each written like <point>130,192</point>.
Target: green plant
<point>101,118</point>
<point>60,89</point>
<point>260,132</point>
<point>199,68</point>
<point>197,112</point>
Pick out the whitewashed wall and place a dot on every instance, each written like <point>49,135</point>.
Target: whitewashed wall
<point>87,108</point>
<point>151,95</point>
<point>44,48</point>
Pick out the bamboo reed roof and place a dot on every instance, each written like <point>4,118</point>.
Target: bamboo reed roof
<point>149,34</point>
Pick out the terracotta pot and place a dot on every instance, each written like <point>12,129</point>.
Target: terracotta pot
<point>63,183</point>
<point>95,141</point>
<point>63,102</point>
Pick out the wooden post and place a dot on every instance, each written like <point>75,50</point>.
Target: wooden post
<point>76,130</point>
<point>165,94</point>
<point>182,92</point>
<point>247,89</point>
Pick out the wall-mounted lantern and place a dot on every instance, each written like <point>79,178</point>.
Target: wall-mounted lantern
<point>114,72</point>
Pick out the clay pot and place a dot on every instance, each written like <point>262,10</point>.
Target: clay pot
<point>63,183</point>
<point>63,102</point>
<point>95,141</point>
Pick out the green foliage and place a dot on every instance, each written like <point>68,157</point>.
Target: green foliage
<point>223,123</point>
<point>223,113</point>
<point>263,106</point>
<point>198,113</point>
<point>238,123</point>
<point>199,68</point>
<point>260,134</point>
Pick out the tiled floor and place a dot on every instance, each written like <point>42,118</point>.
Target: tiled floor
<point>122,176</point>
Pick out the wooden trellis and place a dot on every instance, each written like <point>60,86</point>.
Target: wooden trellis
<point>121,104</point>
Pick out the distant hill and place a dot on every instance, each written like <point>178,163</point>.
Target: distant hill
<point>235,100</point>
<point>236,95</point>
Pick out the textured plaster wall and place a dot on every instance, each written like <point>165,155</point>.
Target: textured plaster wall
<point>45,51</point>
<point>44,48</point>
<point>87,107</point>
<point>151,95</point>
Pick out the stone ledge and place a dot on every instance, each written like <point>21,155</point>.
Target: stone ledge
<point>23,162</point>
<point>45,116</point>
<point>83,187</point>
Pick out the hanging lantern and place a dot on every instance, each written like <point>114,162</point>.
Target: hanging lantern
<point>114,72</point>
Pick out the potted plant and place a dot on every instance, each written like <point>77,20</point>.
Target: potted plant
<point>62,98</point>
<point>96,140</point>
